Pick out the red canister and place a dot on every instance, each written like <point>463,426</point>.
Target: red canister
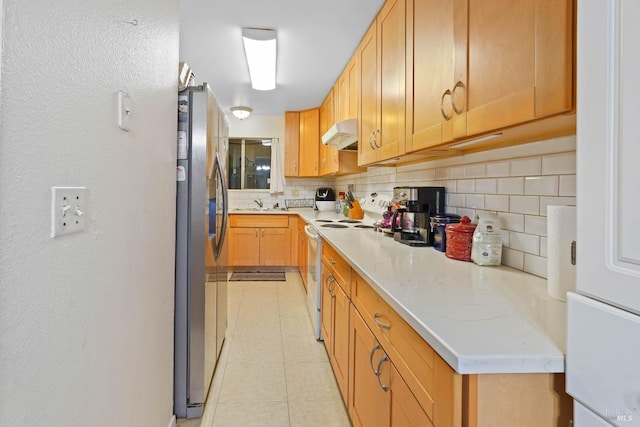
<point>460,239</point>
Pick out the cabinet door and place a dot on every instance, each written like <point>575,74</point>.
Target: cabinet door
<point>327,152</point>
<point>391,44</point>
<point>405,409</point>
<point>275,246</point>
<point>354,80</point>
<point>244,248</point>
<point>291,142</point>
<point>520,62</point>
<point>368,403</point>
<point>309,142</point>
<point>368,94</point>
<point>326,308</point>
<point>436,72</point>
<point>340,354</point>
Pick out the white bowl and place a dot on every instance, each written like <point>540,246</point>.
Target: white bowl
<point>325,206</point>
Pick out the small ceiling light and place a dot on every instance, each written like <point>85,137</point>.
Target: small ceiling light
<point>260,49</point>
<point>241,112</point>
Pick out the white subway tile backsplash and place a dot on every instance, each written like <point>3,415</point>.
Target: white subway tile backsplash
<point>526,167</point>
<point>496,202</point>
<point>543,247</point>
<point>477,170</point>
<point>517,189</point>
<point>456,200</point>
<point>535,265</point>
<point>456,172</point>
<point>499,169</point>
<point>525,204</point>
<point>534,224</point>
<point>442,173</point>
<point>471,213</point>
<point>466,186</point>
<point>558,164</point>
<point>560,201</point>
<point>567,185</point>
<point>513,259</point>
<point>474,201</point>
<point>524,242</point>
<point>511,221</point>
<point>541,185</point>
<point>510,186</point>
<point>486,186</point>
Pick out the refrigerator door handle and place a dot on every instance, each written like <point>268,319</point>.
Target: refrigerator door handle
<point>225,209</point>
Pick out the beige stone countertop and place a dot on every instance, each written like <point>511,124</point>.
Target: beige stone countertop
<point>480,320</point>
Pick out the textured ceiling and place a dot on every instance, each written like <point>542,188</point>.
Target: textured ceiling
<point>315,41</point>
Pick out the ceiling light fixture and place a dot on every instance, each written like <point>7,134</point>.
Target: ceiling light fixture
<point>241,112</point>
<point>260,49</point>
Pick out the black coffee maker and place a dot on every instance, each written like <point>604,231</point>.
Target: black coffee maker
<point>411,221</point>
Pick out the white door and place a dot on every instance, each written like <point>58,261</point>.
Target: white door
<point>603,339</point>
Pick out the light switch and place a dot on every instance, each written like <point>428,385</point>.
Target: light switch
<point>124,110</point>
<point>67,210</point>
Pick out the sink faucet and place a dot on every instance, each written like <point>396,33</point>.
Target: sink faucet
<point>259,202</point>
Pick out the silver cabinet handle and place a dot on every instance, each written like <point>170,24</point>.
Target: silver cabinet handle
<point>444,114</point>
<point>256,232</point>
<point>330,284</point>
<point>373,351</point>
<point>332,261</point>
<point>382,386</point>
<point>371,141</point>
<point>379,323</point>
<point>375,138</point>
<point>453,97</point>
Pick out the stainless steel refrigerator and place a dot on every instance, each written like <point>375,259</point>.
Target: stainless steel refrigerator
<point>201,256</point>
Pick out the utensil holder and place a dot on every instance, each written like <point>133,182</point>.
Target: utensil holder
<point>355,212</point>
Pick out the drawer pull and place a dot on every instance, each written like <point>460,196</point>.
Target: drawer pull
<point>382,386</point>
<point>332,261</point>
<point>379,323</point>
<point>373,351</point>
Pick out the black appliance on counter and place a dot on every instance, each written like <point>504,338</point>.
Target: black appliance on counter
<point>411,221</point>
<point>325,194</point>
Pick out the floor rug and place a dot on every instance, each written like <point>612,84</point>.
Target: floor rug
<point>258,276</point>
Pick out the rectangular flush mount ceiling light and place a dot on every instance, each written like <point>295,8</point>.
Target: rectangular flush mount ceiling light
<point>260,49</point>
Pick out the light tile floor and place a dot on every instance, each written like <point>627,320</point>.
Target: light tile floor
<point>272,372</point>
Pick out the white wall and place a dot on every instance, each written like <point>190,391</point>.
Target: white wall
<point>256,127</point>
<point>86,320</point>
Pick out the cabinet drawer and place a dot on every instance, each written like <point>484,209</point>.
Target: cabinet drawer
<point>411,354</point>
<point>341,270</point>
<point>259,221</point>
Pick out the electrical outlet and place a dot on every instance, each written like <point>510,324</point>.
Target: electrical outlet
<point>295,192</point>
<point>67,210</point>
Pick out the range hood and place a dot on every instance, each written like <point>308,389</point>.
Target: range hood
<point>343,135</point>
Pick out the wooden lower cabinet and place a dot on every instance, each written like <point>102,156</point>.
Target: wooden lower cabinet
<point>259,240</point>
<point>378,395</point>
<point>392,377</point>
<point>335,325</point>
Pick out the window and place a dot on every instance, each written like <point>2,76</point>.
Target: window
<point>249,163</point>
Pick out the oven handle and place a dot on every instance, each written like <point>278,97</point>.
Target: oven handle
<point>311,234</point>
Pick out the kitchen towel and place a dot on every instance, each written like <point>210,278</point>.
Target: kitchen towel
<point>561,233</point>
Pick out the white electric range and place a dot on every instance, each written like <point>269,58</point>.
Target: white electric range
<point>373,206</point>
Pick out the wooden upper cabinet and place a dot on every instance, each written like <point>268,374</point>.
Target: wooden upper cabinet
<point>291,143</point>
<point>436,72</point>
<point>520,62</point>
<point>382,56</point>
<point>346,92</point>
<point>309,142</point>
<point>328,153</point>
<point>367,107</point>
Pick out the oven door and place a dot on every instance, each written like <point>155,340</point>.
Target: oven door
<point>314,276</point>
